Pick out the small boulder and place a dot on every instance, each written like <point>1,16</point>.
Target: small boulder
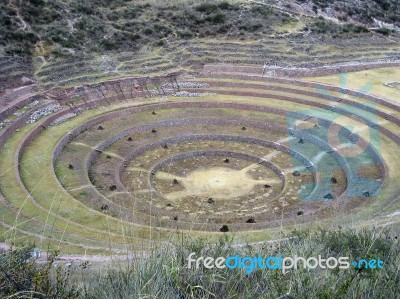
<point>250,220</point>
<point>224,229</point>
<point>296,173</point>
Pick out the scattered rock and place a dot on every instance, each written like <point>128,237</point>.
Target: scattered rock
<point>62,119</point>
<point>224,229</point>
<point>192,94</point>
<point>104,207</point>
<point>49,109</point>
<point>175,181</point>
<point>26,80</point>
<point>186,85</point>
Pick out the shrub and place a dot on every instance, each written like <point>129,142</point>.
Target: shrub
<point>185,34</point>
<point>206,8</point>
<point>383,30</point>
<point>218,18</point>
<point>262,10</point>
<point>21,274</point>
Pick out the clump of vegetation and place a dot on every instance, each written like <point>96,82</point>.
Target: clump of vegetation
<point>166,275</point>
<point>384,31</point>
<point>68,27</point>
<point>164,272</point>
<point>22,277</point>
<point>365,12</point>
<point>322,26</point>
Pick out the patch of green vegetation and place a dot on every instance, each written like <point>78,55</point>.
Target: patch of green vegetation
<point>323,26</point>
<point>97,26</point>
<point>19,274</point>
<point>364,12</point>
<point>164,273</point>
<point>384,31</point>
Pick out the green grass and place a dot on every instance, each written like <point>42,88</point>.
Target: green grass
<point>164,272</point>
<point>376,78</point>
<point>45,189</point>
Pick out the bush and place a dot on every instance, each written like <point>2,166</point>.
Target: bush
<point>217,18</point>
<point>384,31</point>
<point>262,10</point>
<point>185,34</point>
<point>206,8</point>
<point>19,274</point>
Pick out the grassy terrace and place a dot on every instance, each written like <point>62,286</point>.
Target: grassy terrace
<point>376,79</point>
<point>190,54</point>
<point>38,178</point>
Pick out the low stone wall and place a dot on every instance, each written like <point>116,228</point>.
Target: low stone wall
<point>384,102</point>
<point>272,71</point>
<point>12,109</point>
